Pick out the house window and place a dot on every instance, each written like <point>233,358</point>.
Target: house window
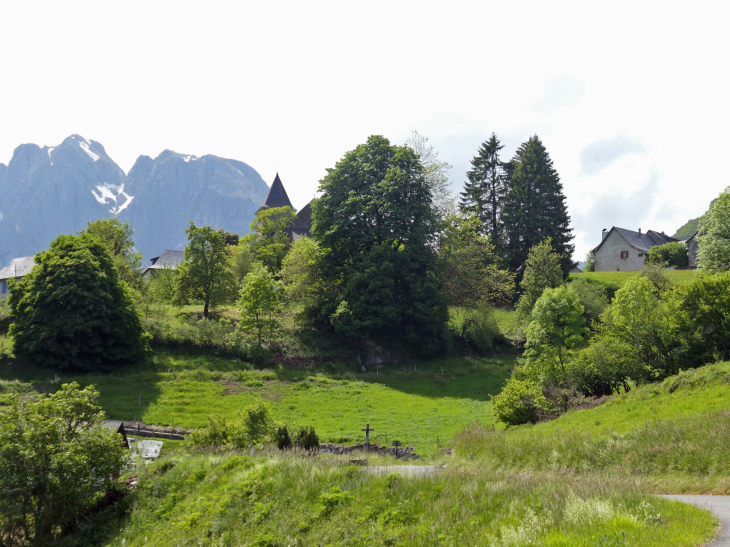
<point>641,254</point>
<point>624,254</point>
<point>3,287</point>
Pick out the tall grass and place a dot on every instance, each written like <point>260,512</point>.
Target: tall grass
<point>230,499</point>
<point>698,445</point>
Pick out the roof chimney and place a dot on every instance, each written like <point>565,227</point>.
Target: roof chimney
<point>604,233</point>
<point>639,231</point>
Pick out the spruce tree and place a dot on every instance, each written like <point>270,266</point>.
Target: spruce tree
<point>534,207</point>
<point>485,190</point>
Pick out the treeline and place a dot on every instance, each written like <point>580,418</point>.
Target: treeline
<point>579,346</point>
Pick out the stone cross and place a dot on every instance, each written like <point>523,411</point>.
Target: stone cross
<point>367,431</point>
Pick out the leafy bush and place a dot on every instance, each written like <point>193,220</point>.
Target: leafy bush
<point>520,402</point>
<point>307,439</point>
<point>56,461</point>
<point>669,254</point>
<point>592,296</point>
<point>555,331</point>
<point>254,425</point>
<point>283,440</point>
<point>604,367</point>
<point>477,327</point>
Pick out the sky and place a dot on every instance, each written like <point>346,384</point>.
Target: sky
<point>631,99</point>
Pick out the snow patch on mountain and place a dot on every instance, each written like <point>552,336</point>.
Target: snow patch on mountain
<point>111,193</point>
<point>84,144</point>
<point>186,159</point>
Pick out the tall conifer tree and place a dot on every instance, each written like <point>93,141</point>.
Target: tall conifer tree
<point>485,190</point>
<point>534,207</point>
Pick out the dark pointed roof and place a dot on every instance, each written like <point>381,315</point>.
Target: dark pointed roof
<point>642,241</point>
<point>277,196</point>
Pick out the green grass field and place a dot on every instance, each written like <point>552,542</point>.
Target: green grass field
<point>675,434</point>
<point>613,281</point>
<point>422,407</point>
<point>227,499</point>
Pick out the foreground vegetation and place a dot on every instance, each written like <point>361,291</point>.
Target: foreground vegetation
<point>226,498</point>
<point>676,435</point>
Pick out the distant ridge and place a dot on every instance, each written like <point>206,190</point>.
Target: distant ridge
<point>48,191</point>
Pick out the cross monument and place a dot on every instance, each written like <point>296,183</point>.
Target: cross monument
<point>367,431</point>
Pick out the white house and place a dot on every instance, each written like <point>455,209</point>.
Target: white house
<point>624,250</point>
<point>17,269</point>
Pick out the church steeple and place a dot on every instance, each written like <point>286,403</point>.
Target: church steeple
<point>277,196</point>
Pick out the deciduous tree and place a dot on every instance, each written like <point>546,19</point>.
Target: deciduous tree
<point>205,273</point>
<point>55,463</point>
<point>270,236</point>
<point>377,231</point>
<point>72,311</point>
<point>557,328</point>
<point>117,236</point>
<point>713,255</point>
<point>260,302</point>
<point>435,172</point>
<point>542,271</point>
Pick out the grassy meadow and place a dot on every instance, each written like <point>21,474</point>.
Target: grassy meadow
<point>416,403</point>
<point>675,435</point>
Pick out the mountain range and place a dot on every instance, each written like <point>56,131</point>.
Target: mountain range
<point>56,190</point>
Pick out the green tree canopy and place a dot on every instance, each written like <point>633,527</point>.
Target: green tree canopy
<point>673,253</point>
<point>470,268</point>
<point>557,328</point>
<point>534,207</point>
<point>542,271</point>
<point>55,463</point>
<point>713,255</point>
<point>300,270</point>
<point>485,190</point>
<point>260,302</point>
<point>117,236</point>
<point>377,231</point>
<point>635,316</point>
<point>270,236</point>
<point>205,272</point>
<point>435,172</point>
<point>72,311</point>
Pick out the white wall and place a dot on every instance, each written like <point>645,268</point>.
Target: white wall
<point>608,257</point>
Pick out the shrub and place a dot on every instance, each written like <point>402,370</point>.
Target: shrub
<point>283,440</point>
<point>55,463</point>
<point>520,402</point>
<point>669,254</point>
<point>307,439</point>
<point>477,327</point>
<point>592,296</point>
<point>604,367</point>
<point>256,424</point>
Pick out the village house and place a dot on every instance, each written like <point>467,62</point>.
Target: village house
<point>168,259</point>
<point>277,197</point>
<point>623,250</point>
<point>18,268</point>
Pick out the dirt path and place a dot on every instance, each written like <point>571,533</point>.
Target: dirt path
<point>720,506</point>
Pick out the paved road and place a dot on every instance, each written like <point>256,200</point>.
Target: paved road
<point>417,470</point>
<point>720,506</point>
